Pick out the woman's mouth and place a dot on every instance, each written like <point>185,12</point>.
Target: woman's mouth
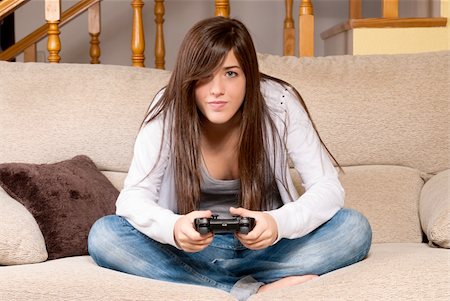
<point>217,105</point>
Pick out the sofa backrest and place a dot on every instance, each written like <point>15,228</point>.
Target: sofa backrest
<point>385,109</point>
<point>376,110</point>
<point>53,112</point>
<point>385,118</point>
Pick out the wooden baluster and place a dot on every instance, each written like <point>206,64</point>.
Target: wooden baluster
<point>306,28</point>
<point>53,16</point>
<point>355,9</point>
<point>289,30</point>
<point>94,32</point>
<point>137,35</point>
<point>222,8</point>
<point>160,50</point>
<point>30,53</point>
<point>390,8</point>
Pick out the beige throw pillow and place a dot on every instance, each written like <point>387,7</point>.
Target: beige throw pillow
<point>21,239</point>
<point>435,209</point>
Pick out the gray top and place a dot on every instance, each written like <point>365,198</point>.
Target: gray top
<point>219,195</point>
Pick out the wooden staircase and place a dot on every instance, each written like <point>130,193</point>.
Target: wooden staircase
<point>55,20</point>
<point>50,29</point>
<point>305,22</point>
<point>346,38</point>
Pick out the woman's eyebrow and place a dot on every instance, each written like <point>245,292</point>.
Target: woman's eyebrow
<point>231,67</point>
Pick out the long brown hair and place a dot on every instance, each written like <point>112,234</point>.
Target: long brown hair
<point>203,49</point>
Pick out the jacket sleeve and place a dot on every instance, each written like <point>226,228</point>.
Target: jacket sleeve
<point>324,194</point>
<point>138,200</point>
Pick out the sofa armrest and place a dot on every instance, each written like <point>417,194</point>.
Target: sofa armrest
<point>434,209</point>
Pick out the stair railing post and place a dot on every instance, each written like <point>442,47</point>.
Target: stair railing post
<point>94,25</point>
<point>289,30</point>
<point>222,8</point>
<point>160,50</point>
<point>30,53</point>
<point>306,28</point>
<point>137,35</point>
<point>53,16</point>
<point>390,8</point>
<point>355,9</point>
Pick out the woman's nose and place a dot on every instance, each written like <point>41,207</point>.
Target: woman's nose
<point>216,86</point>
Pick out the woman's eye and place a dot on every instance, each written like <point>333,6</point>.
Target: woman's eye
<point>205,79</point>
<point>231,74</point>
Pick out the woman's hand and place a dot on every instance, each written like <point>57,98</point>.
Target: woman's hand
<point>264,233</point>
<point>186,237</point>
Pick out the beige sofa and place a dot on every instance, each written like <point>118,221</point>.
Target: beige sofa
<point>385,118</point>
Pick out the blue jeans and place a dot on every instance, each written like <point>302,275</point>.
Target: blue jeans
<point>226,264</point>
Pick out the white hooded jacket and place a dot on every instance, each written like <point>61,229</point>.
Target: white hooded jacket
<point>149,202</point>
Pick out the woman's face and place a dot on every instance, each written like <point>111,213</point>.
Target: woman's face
<point>220,95</point>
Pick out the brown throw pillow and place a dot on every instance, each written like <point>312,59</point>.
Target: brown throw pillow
<point>65,198</point>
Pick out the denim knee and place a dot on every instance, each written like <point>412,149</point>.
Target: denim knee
<point>100,231</point>
<point>359,230</point>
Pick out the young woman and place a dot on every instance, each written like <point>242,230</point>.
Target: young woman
<point>216,140</point>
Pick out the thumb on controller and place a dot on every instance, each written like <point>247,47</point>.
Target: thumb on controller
<point>200,214</point>
<point>239,211</point>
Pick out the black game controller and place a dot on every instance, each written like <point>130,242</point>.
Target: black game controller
<point>229,225</point>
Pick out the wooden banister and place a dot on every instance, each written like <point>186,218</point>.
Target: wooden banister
<point>222,8</point>
<point>306,28</point>
<point>383,22</point>
<point>9,6</point>
<point>289,30</point>
<point>40,33</point>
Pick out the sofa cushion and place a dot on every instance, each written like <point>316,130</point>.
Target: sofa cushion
<point>65,198</point>
<point>21,239</point>
<point>377,110</point>
<point>389,197</point>
<point>406,271</point>
<point>79,278</point>
<point>435,209</point>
